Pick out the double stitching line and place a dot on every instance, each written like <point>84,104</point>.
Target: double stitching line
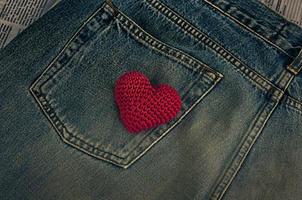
<point>246,145</point>
<point>250,74</point>
<point>249,140</point>
<point>55,66</point>
<point>276,92</point>
<point>293,104</point>
<point>210,2</point>
<point>175,54</point>
<point>189,29</point>
<point>35,90</point>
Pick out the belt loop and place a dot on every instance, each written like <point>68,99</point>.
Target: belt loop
<point>296,66</point>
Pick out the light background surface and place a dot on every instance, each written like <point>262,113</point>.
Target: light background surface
<point>290,9</point>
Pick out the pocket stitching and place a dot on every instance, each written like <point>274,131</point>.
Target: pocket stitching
<point>174,124</point>
<point>74,140</point>
<point>161,47</point>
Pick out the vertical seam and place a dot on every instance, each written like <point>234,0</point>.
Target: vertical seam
<point>253,76</point>
<point>243,151</point>
<point>248,142</point>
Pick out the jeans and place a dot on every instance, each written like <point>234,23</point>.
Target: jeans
<point>235,63</point>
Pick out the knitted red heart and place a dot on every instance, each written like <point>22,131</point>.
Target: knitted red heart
<point>143,106</point>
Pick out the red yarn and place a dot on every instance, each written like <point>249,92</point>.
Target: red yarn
<point>143,106</point>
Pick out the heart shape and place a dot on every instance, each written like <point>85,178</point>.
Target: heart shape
<point>143,106</point>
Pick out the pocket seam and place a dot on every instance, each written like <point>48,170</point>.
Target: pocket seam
<point>208,76</point>
<point>174,124</point>
<point>155,44</point>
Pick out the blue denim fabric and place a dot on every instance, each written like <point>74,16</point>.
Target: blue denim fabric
<point>236,64</point>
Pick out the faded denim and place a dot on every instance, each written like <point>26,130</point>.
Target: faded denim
<point>236,64</point>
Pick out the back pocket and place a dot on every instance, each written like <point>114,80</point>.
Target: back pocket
<point>75,91</point>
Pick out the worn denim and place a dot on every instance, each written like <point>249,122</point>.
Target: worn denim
<point>235,63</point>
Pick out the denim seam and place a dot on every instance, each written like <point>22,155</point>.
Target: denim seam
<point>294,104</point>
<point>209,2</point>
<point>188,28</point>
<point>209,78</point>
<point>242,152</point>
<point>71,47</point>
<point>249,140</point>
<point>165,49</point>
<point>198,35</point>
<point>296,66</point>
<point>61,128</point>
<point>285,78</point>
<point>44,104</point>
<point>172,53</point>
<point>35,90</point>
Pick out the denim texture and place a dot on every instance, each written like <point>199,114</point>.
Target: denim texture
<point>236,64</point>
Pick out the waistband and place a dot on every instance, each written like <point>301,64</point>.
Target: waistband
<point>262,21</point>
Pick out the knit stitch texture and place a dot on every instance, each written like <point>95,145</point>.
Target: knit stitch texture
<point>143,106</point>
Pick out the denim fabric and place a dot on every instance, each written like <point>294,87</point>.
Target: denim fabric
<point>235,63</point>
